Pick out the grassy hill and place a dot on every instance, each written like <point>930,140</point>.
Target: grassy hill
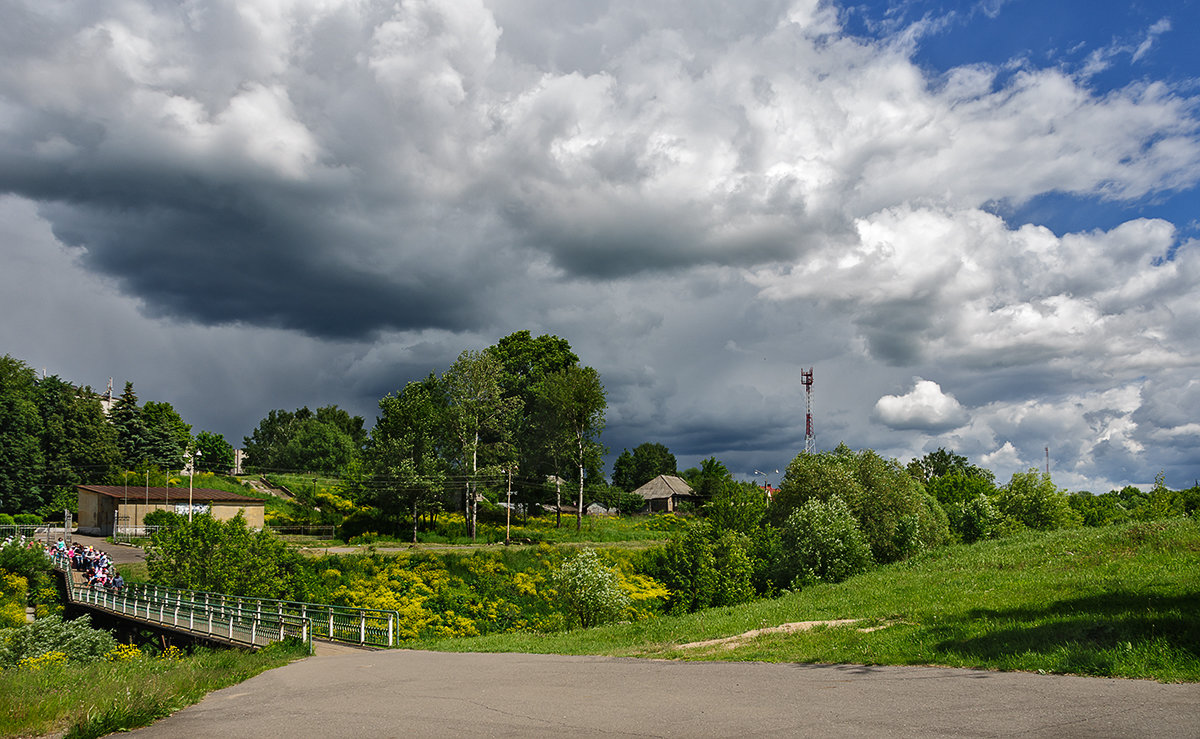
<point>1120,601</point>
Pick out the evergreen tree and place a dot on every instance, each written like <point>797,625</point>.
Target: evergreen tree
<point>133,438</point>
<point>78,443</point>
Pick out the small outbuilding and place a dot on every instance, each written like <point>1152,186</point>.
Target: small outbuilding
<point>101,507</point>
<point>664,493</point>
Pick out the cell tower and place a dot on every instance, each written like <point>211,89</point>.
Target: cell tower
<point>810,441</point>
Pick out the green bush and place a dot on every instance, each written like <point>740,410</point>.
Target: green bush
<point>75,639</point>
<point>163,517</point>
<point>27,519</point>
<point>589,590</point>
<point>6,519</point>
<point>226,557</point>
<point>704,568</point>
<point>735,569</point>
<point>687,568</point>
<point>1032,500</point>
<point>30,564</point>
<point>821,542</point>
<point>894,513</point>
<point>975,520</point>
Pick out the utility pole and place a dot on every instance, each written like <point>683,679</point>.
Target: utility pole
<point>508,509</point>
<point>191,480</point>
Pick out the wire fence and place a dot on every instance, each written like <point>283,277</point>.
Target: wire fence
<point>327,532</point>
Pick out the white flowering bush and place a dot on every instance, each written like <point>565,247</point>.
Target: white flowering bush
<point>589,590</point>
<point>76,639</point>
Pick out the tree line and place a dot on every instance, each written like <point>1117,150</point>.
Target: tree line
<point>523,409</point>
<point>55,435</point>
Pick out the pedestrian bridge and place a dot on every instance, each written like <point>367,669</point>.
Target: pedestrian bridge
<point>236,620</point>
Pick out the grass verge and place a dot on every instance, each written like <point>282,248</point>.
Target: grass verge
<point>92,700</point>
<point>1120,601</point>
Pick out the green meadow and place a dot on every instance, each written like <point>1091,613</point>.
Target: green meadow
<point>1118,601</point>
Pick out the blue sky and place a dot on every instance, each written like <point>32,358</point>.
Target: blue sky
<point>977,223</point>
<point>1112,44</point>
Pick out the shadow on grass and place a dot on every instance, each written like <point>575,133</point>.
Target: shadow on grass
<point>1093,635</point>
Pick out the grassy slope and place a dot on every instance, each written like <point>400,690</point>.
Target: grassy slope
<point>1120,601</point>
<point>97,699</point>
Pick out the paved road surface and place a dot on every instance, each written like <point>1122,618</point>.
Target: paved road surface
<point>120,553</point>
<point>429,694</point>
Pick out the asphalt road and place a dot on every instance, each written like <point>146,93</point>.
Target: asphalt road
<point>431,694</point>
<point>120,554</point>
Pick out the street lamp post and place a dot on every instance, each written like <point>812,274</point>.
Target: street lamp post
<point>191,480</point>
<point>766,484</point>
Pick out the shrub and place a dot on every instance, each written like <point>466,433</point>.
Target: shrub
<point>894,514</point>
<point>357,524</point>
<point>821,542</point>
<point>975,520</point>
<point>30,564</point>
<point>6,519</point>
<point>27,519</point>
<point>13,589</point>
<point>687,567</point>
<point>75,639</point>
<point>734,570</point>
<point>590,590</point>
<point>163,517</point>
<point>703,568</point>
<point>1031,499</point>
<point>226,557</point>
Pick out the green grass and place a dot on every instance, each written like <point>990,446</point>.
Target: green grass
<point>92,700</point>
<point>1121,601</point>
<point>450,529</point>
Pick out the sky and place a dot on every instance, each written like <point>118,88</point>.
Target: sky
<point>976,223</point>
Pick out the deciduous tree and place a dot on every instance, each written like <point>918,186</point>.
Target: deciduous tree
<point>481,417</point>
<point>216,454</point>
<point>646,462</point>
<point>576,401</point>
<point>404,452</point>
<point>21,461</point>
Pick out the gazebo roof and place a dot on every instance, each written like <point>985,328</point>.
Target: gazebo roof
<point>665,486</point>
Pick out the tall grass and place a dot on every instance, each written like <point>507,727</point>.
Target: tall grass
<point>1119,601</point>
<point>92,700</point>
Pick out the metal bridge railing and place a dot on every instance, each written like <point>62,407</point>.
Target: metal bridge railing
<point>231,624</point>
<point>362,626</point>
<point>227,622</point>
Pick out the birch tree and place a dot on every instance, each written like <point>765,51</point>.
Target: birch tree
<point>575,402</point>
<point>480,416</point>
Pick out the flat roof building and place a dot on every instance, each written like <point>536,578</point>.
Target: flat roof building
<point>103,506</point>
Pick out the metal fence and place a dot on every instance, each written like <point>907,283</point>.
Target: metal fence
<point>28,530</point>
<point>124,533</point>
<point>237,625</point>
<point>326,531</point>
<point>362,626</point>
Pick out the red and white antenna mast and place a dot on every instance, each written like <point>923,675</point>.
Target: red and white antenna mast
<point>810,441</point>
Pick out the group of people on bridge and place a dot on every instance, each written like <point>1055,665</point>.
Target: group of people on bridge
<point>96,565</point>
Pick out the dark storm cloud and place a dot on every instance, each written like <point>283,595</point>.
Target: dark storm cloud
<point>701,196</point>
<point>213,265</point>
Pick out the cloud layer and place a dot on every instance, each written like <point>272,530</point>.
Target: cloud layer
<point>702,198</point>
